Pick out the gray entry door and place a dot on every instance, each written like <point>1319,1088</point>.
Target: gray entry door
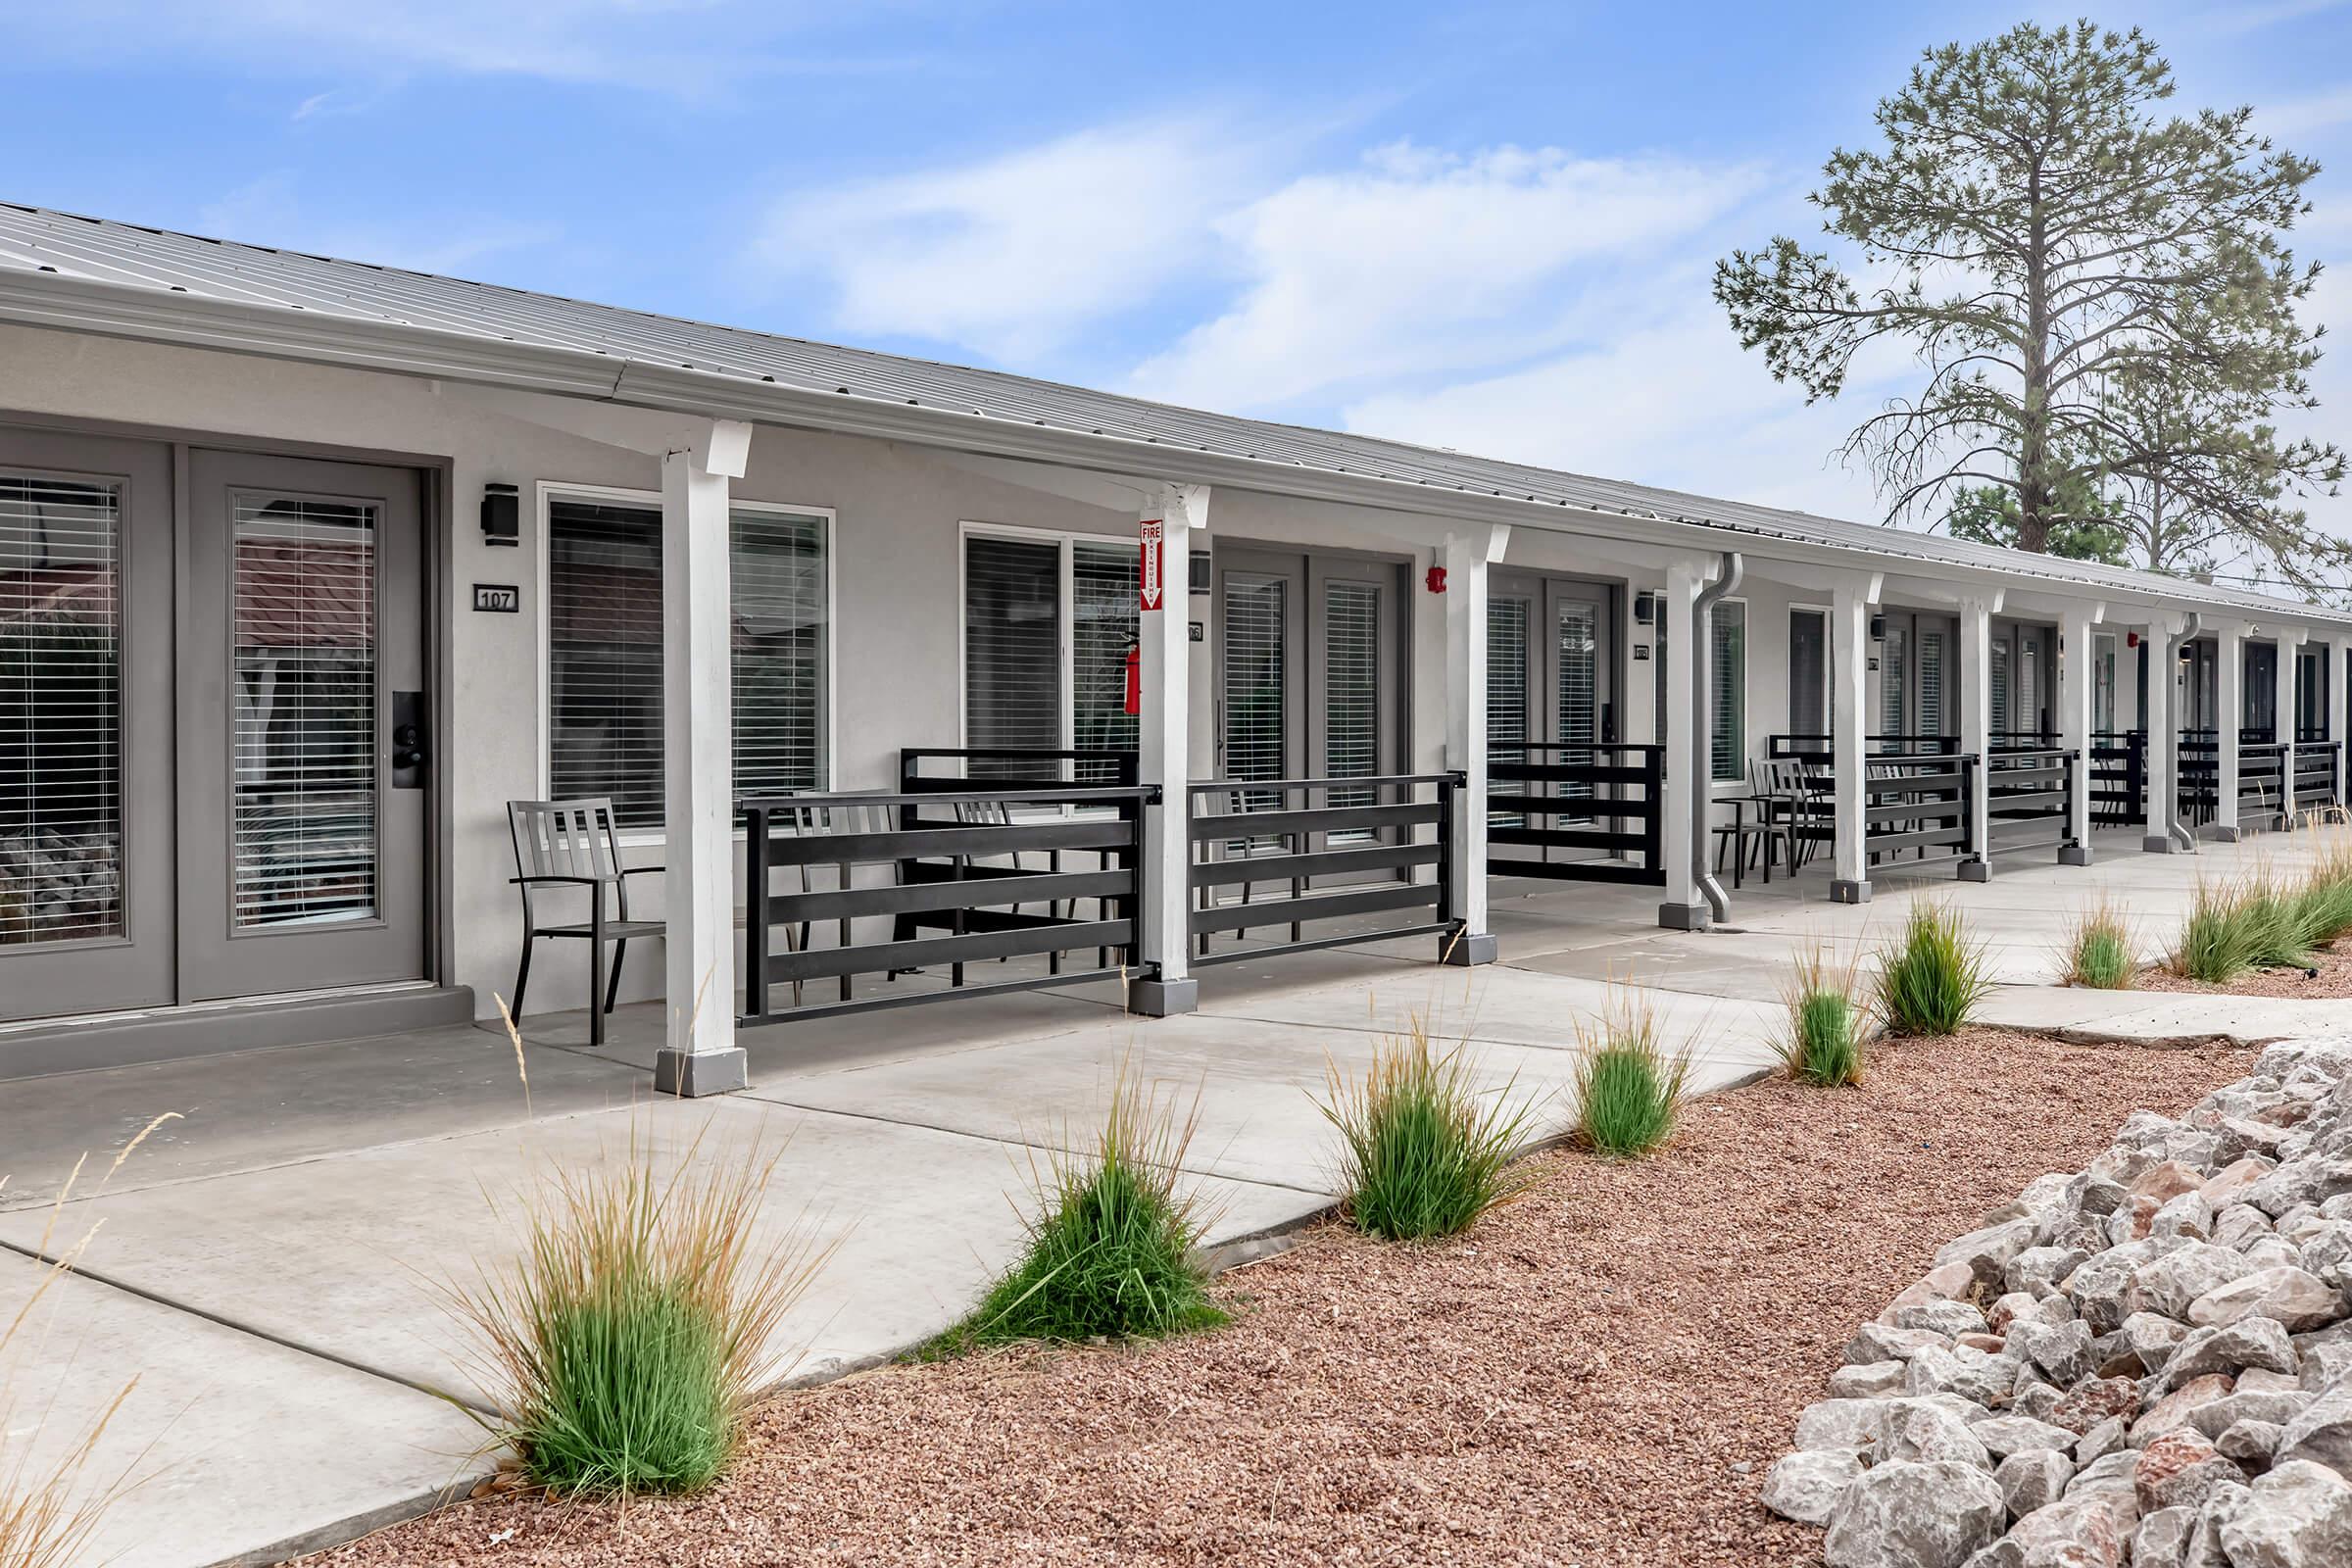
<point>301,846</point>
<point>86,881</point>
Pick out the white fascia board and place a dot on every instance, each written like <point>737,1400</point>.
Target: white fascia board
<point>74,304</point>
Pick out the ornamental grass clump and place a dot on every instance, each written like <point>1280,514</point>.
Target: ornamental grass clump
<point>624,1346</point>
<point>2098,947</point>
<point>1629,1087</point>
<point>1931,978</point>
<point>1823,1039</point>
<point>1113,1249</point>
<point>2218,940</point>
<point>1424,1152</point>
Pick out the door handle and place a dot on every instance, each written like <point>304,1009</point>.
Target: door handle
<point>409,741</point>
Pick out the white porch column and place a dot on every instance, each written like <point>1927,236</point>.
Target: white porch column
<point>2162,741</point>
<point>2290,651</point>
<point>2078,674</point>
<point>1849,665</point>
<point>1466,557</point>
<point>2229,649</point>
<point>1163,760</point>
<point>1976,731</point>
<point>1681,907</point>
<point>700,1056</point>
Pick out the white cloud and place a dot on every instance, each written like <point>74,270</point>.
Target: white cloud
<point>1666,399</point>
<point>1418,263</point>
<point>688,47</point>
<point>1016,254</point>
<point>2290,118</point>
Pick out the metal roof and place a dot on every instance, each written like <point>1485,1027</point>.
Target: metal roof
<point>331,296</point>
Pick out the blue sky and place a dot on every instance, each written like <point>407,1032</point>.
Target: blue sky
<point>1482,225</point>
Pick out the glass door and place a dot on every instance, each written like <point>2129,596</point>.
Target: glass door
<point>302,837</point>
<point>85,724</point>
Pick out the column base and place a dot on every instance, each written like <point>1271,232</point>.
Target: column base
<point>1463,951</point>
<point>1684,916</point>
<point>1163,999</point>
<point>2224,833</point>
<point>2158,843</point>
<point>1843,891</point>
<point>692,1074</point>
<point>1976,870</point>
<point>2074,855</point>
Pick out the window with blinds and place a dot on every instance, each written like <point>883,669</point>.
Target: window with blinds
<point>777,585</point>
<point>1895,685</point>
<point>1011,647</point>
<point>60,707</point>
<point>604,607</point>
<point>1808,672</point>
<point>1728,744</point>
<point>1104,582</point>
<point>1256,659</point>
<point>1506,695</point>
<point>1999,687</point>
<point>1351,692</point>
<point>2102,690</point>
<point>1932,710</point>
<point>1579,698</point>
<point>305,802</point>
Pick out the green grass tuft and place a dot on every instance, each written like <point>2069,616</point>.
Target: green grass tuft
<point>1111,1252</point>
<point>1823,1041</point>
<point>625,1345</point>
<point>1931,978</point>
<point>2099,949</point>
<point>1629,1088</point>
<point>1423,1153</point>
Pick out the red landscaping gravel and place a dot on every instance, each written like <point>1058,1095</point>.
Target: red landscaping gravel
<point>2334,980</point>
<point>1573,1383</point>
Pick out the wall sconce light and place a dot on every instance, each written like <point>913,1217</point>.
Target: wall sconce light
<point>502,515</point>
<point>1645,608</point>
<point>1878,629</point>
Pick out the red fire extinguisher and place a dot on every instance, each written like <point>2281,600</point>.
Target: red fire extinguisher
<point>1135,679</point>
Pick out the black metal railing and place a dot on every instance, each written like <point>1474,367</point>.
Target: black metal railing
<point>927,767</point>
<point>1339,851</point>
<point>2119,777</point>
<point>2261,776</point>
<point>2028,797</point>
<point>946,858</point>
<point>1917,806</point>
<point>1601,804</point>
<point>1820,749</point>
<point>2319,775</point>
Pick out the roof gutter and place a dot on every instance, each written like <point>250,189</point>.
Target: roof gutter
<point>63,302</point>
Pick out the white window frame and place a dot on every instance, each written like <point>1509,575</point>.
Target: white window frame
<point>1066,540</point>
<point>550,490</point>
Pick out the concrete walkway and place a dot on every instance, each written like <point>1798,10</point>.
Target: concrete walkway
<point>266,1264</point>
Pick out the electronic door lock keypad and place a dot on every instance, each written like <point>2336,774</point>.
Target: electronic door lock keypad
<point>408,740</point>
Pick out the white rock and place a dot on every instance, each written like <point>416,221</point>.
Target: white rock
<point>1906,1515</point>
<point>2300,1516</point>
<point>2322,1434</point>
<point>2033,1478</point>
<point>1807,1486</point>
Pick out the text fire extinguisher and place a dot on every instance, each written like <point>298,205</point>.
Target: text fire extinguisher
<point>1135,679</point>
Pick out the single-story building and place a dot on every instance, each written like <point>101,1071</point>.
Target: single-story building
<point>314,574</point>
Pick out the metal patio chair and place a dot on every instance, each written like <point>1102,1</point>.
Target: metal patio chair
<point>816,821</point>
<point>574,844</point>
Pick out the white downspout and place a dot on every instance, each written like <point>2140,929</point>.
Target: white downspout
<point>1702,750</point>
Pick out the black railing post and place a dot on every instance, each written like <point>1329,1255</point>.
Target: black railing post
<point>754,910</point>
<point>1653,831</point>
<point>1449,803</point>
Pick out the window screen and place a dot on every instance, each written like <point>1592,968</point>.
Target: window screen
<point>1104,580</point>
<point>304,718</point>
<point>1011,649</point>
<point>61,696</point>
<point>1507,695</point>
<point>2000,686</point>
<point>1257,660</point>
<point>1728,743</point>
<point>2103,691</point>
<point>1932,709</point>
<point>1578,707</point>
<point>604,667</point>
<point>1894,684</point>
<point>1352,695</point>
<point>1808,672</point>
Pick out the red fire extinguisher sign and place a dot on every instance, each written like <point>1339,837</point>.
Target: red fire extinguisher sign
<point>1154,535</point>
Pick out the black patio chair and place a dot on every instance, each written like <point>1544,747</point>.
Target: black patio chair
<point>561,844</point>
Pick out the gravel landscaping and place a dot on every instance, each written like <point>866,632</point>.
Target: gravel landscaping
<point>1601,1374</point>
<point>2334,979</point>
<point>2148,1360</point>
